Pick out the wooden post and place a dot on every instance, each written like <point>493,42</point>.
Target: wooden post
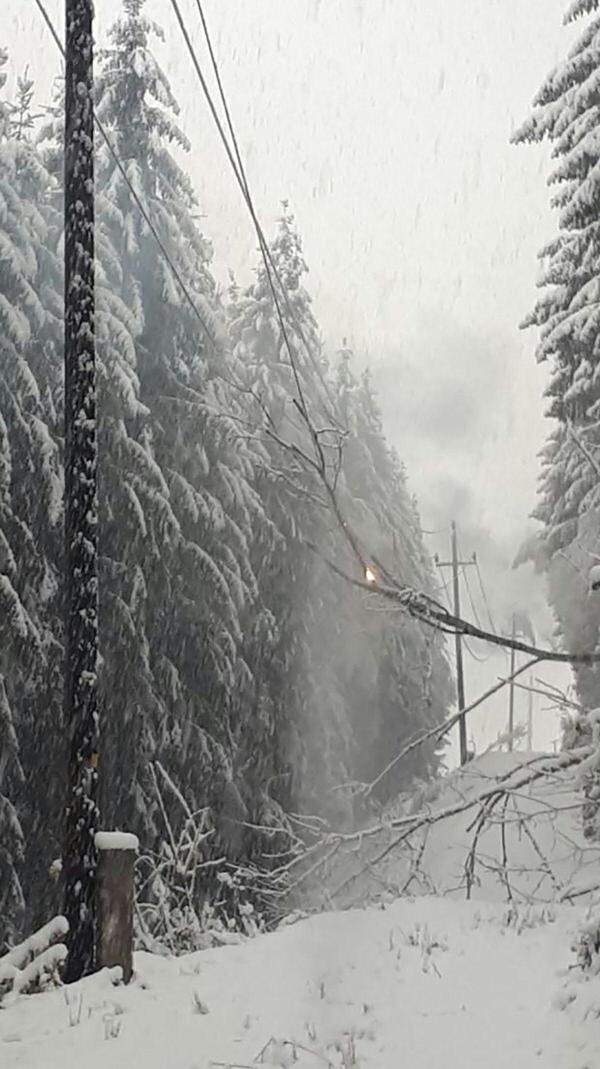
<point>115,897</point>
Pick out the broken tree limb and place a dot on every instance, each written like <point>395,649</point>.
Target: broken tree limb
<point>430,612</point>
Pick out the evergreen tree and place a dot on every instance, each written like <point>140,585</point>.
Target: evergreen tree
<point>296,698</point>
<point>567,114</point>
<point>193,504</point>
<point>30,510</point>
<point>342,684</point>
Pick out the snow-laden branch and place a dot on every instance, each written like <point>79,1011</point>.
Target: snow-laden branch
<point>35,944</point>
<point>38,957</point>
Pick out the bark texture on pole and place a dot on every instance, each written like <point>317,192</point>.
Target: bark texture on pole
<point>81,578</point>
<point>115,898</point>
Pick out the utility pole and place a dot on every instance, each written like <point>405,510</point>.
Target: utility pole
<point>521,625</point>
<point>81,575</point>
<point>511,689</point>
<point>530,716</point>
<point>455,564</point>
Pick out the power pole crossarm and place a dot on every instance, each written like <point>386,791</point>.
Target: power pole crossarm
<point>81,576</point>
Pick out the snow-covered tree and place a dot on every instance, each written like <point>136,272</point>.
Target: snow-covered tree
<point>342,684</point>
<point>566,112</point>
<point>296,695</point>
<point>192,508</point>
<point>30,498</point>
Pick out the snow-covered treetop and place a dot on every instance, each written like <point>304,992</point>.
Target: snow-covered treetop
<point>135,100</point>
<point>580,7</point>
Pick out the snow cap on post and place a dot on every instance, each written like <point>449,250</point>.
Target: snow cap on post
<point>116,840</point>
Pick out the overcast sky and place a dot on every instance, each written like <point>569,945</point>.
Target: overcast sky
<point>386,123</point>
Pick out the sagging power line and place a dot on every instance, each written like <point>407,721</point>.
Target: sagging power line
<point>271,270</point>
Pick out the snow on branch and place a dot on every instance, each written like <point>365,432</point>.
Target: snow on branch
<point>30,964</point>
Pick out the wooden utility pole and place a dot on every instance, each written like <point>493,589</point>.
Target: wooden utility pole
<point>521,626</point>
<point>455,564</point>
<point>511,689</point>
<point>530,716</point>
<point>80,576</point>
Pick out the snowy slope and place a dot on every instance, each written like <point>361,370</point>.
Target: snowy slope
<point>428,984</point>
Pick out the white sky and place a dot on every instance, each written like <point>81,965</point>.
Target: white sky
<point>386,123</point>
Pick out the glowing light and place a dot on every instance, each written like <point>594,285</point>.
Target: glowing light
<point>370,576</point>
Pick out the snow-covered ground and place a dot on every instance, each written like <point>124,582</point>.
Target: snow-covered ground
<point>426,983</point>
<point>432,981</point>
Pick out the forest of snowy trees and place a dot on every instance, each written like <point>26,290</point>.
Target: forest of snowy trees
<point>232,657</point>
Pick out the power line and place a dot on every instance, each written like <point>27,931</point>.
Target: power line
<point>223,98</point>
<point>240,175</point>
<point>177,276</point>
<point>477,657</point>
<point>445,588</point>
<point>485,599</point>
<point>481,658</point>
<point>243,181</point>
<point>470,596</point>
<point>440,530</point>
